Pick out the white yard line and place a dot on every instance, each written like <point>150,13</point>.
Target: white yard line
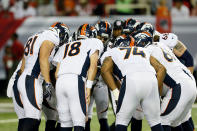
<point>3,105</point>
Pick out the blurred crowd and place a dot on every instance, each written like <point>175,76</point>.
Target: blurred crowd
<point>24,8</point>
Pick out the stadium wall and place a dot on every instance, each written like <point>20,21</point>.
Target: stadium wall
<point>186,29</point>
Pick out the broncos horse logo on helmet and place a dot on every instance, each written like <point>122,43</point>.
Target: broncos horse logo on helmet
<point>84,31</point>
<point>62,30</point>
<point>130,25</point>
<point>124,41</point>
<point>143,39</point>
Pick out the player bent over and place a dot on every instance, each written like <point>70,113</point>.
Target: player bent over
<point>35,67</point>
<point>76,60</point>
<point>139,84</point>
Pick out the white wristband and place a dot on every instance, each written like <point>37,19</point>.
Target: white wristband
<point>89,84</point>
<point>116,93</point>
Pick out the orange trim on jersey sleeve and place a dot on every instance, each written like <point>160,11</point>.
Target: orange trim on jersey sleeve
<point>85,98</point>
<point>168,102</point>
<point>20,98</point>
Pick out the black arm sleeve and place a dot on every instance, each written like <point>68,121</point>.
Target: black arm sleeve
<point>187,59</point>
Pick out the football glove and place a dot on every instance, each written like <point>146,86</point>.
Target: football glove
<point>48,87</point>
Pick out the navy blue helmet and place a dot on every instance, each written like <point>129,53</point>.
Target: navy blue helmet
<point>130,25</point>
<point>143,39</point>
<point>62,30</point>
<point>118,24</point>
<point>84,31</point>
<point>147,27</point>
<point>124,41</point>
<point>104,29</point>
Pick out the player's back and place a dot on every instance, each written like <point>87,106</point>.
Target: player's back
<point>169,39</point>
<point>131,59</point>
<point>32,50</point>
<point>167,58</point>
<point>74,57</point>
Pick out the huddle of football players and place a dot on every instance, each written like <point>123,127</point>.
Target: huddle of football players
<point>141,71</point>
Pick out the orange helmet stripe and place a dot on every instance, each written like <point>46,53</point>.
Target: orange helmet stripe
<point>83,29</point>
<point>53,25</point>
<point>127,21</point>
<point>60,24</point>
<point>147,33</point>
<point>106,25</point>
<point>132,42</point>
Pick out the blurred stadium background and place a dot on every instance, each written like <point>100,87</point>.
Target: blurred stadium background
<point>21,18</point>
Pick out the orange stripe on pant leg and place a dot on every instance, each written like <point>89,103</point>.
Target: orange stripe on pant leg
<point>35,95</point>
<point>168,102</point>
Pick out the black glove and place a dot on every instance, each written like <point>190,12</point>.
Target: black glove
<point>48,87</point>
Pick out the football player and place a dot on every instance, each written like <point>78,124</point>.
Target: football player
<point>179,49</point>
<point>35,68</point>
<point>139,83</point>
<point>99,91</point>
<point>182,53</point>
<point>180,96</point>
<point>145,27</point>
<point>76,61</point>
<point>129,26</point>
<point>117,31</point>
<point>12,92</point>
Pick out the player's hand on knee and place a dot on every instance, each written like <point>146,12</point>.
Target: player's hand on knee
<point>48,87</point>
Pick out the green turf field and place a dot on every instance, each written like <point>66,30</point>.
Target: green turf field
<point>8,119</point>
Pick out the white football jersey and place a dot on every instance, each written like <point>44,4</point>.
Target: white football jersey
<point>175,69</point>
<point>170,39</point>
<point>130,59</point>
<point>74,57</point>
<point>32,49</point>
